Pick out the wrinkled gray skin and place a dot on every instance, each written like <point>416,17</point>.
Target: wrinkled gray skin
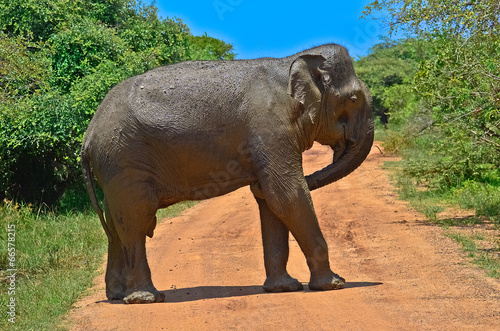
<point>197,130</point>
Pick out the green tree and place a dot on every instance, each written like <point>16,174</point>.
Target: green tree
<point>209,48</point>
<point>166,39</point>
<point>461,80</point>
<point>80,47</point>
<point>42,18</point>
<point>459,17</point>
<point>24,69</point>
<point>388,70</point>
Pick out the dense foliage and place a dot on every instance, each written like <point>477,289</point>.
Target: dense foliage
<point>58,59</point>
<point>389,70</point>
<point>445,108</point>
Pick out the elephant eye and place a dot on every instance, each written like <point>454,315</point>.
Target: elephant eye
<point>354,98</point>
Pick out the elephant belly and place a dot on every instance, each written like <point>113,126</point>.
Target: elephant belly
<point>187,173</point>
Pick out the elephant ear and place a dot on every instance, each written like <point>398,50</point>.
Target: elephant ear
<point>305,83</point>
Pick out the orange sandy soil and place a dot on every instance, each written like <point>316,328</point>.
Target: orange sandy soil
<point>401,272</point>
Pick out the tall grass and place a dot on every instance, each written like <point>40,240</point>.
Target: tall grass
<point>483,258</point>
<point>433,174</point>
<point>56,257</point>
<point>429,182</point>
<point>481,198</point>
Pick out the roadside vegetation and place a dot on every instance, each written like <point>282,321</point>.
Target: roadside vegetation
<point>437,95</point>
<point>58,59</point>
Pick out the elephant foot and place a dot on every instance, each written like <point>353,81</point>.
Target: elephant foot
<point>115,291</point>
<point>325,283</point>
<point>144,297</point>
<point>115,296</point>
<point>284,283</point>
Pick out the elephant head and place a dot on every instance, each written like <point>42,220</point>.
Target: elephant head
<point>339,107</point>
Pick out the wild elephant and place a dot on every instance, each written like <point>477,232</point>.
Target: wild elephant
<point>201,129</point>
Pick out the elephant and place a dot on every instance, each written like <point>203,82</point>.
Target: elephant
<point>200,129</point>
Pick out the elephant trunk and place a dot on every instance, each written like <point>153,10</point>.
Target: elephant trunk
<point>354,154</point>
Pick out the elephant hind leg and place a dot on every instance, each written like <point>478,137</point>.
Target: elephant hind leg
<point>140,288</point>
<point>132,222</point>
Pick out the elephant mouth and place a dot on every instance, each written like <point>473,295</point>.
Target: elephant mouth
<point>348,154</point>
<point>338,150</point>
<point>340,146</point>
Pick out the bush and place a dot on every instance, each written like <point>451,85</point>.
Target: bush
<point>38,148</point>
<point>207,48</point>
<point>80,48</point>
<point>483,198</point>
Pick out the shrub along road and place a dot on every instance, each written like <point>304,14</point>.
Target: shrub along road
<point>401,272</point>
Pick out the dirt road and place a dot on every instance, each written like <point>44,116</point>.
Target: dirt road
<point>402,274</point>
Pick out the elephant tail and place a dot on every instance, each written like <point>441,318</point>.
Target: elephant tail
<point>87,175</point>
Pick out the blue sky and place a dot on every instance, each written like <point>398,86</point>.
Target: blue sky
<point>259,28</point>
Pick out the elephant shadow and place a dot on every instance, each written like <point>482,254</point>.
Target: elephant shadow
<point>189,294</point>
<point>210,292</point>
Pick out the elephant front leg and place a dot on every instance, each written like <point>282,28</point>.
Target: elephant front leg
<point>305,228</point>
<point>288,198</point>
<point>302,222</point>
<point>276,250</point>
